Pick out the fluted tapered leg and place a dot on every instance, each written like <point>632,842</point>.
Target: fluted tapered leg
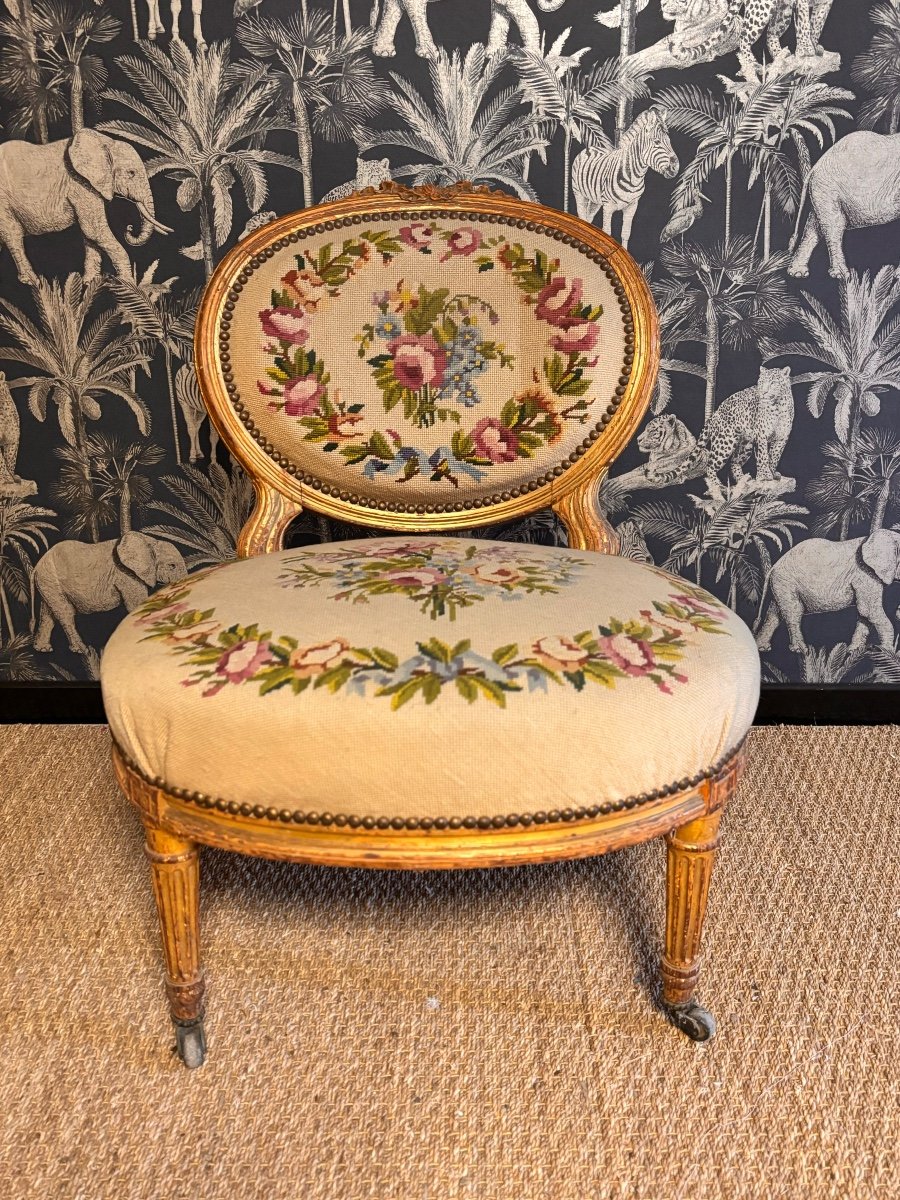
<point>691,854</point>
<point>175,871</point>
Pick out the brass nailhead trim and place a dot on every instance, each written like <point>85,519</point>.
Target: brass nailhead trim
<point>286,816</point>
<point>549,476</point>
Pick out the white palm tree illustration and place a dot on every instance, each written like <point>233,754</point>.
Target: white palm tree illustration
<point>474,131</point>
<point>736,534</point>
<point>66,32</point>
<point>205,125</point>
<point>23,536</point>
<point>207,512</point>
<point>165,320</point>
<point>322,84</point>
<point>33,93</point>
<point>624,18</point>
<point>857,357</point>
<point>79,355</point>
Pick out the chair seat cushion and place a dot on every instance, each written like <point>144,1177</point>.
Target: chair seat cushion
<point>429,678</point>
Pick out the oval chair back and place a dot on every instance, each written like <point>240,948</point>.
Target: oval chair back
<point>425,359</point>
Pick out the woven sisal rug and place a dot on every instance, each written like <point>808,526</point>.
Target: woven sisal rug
<point>487,1035</point>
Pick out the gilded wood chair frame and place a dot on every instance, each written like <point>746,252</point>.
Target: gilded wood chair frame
<point>178,822</point>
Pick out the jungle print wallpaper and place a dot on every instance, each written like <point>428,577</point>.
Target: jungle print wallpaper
<point>747,151</point>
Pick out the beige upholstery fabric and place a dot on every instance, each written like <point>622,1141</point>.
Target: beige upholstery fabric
<point>429,677</point>
<point>427,361</point>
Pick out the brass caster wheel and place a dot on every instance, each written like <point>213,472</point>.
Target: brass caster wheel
<point>191,1042</point>
<point>693,1019</point>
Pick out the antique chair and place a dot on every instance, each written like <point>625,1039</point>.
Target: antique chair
<point>427,361</point>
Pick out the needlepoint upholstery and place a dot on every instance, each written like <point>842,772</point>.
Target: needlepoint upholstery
<point>422,361</point>
<point>429,677</point>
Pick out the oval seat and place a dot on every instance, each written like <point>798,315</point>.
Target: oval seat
<point>430,679</point>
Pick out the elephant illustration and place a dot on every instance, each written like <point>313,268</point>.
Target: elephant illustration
<point>90,577</point>
<point>45,188</point>
<point>854,184</point>
<point>819,575</point>
<point>503,12</point>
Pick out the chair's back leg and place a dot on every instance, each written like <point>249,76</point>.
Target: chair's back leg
<point>175,870</point>
<point>691,853</point>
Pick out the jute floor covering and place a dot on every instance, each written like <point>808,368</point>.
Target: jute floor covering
<point>483,1035</point>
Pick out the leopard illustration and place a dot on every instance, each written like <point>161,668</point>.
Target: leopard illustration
<point>757,420</point>
<point>9,434</point>
<point>752,17</point>
<point>369,173</point>
<point>11,484</point>
<point>256,221</point>
<point>669,444</point>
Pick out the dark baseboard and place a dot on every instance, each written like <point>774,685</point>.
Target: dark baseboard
<point>782,704</point>
<point>51,704</point>
<point>831,704</point>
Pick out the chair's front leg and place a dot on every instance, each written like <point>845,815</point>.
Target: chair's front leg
<point>175,869</point>
<point>691,853</point>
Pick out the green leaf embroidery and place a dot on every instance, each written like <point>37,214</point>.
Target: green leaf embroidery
<point>651,648</point>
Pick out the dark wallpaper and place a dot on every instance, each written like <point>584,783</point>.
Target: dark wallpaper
<point>131,160</point>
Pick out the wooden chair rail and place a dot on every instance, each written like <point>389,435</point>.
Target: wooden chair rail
<point>421,850</point>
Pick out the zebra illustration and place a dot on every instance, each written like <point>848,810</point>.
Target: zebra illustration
<point>613,180</point>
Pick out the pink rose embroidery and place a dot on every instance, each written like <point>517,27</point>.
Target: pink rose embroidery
<point>418,361</point>
<point>630,655</point>
<point>554,307</point>
<point>308,661</point>
<point>494,441</point>
<point>302,396</point>
<point>419,577</point>
<point>560,653</point>
<point>285,324</point>
<point>241,662</point>
<point>417,235</point>
<point>462,241</point>
<point>576,338</point>
<point>496,574</point>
